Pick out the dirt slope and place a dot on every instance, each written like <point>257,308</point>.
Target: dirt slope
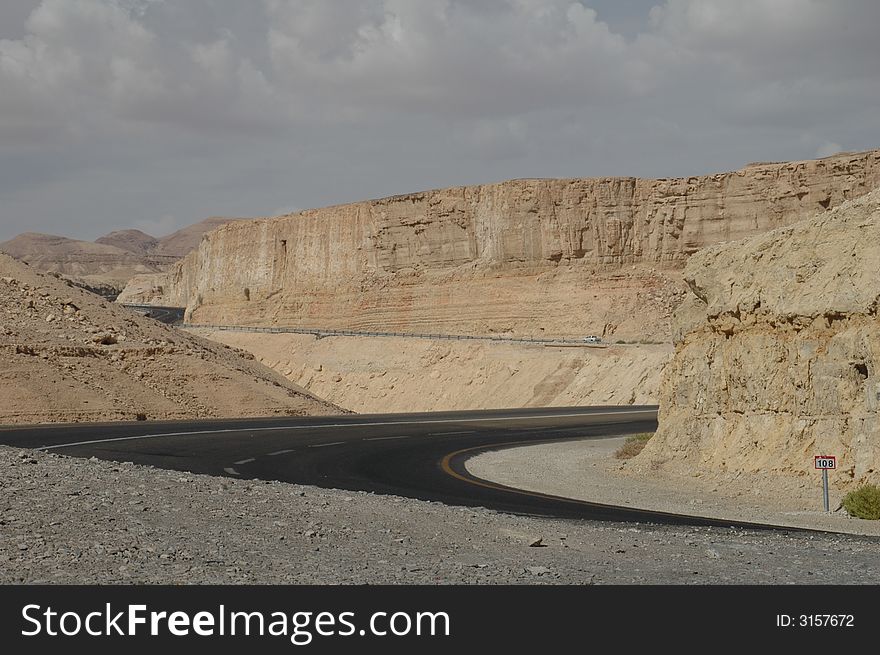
<point>67,355</point>
<point>399,375</point>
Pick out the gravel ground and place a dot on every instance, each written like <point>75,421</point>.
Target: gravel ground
<point>588,470</point>
<point>66,520</point>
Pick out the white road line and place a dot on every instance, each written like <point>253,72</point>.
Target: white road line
<point>245,461</point>
<point>321,445</point>
<point>438,434</point>
<point>280,452</point>
<point>346,425</point>
<point>402,436</point>
<point>231,471</point>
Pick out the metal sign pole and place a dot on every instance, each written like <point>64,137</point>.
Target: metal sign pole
<point>825,487</point>
<point>825,462</point>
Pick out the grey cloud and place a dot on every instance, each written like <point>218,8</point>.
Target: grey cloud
<point>123,112</point>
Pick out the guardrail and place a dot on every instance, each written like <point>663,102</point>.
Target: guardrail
<point>322,333</point>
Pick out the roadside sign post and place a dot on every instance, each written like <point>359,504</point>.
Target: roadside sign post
<point>825,462</point>
<point>825,488</point>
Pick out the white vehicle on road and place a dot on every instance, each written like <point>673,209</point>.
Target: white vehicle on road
<point>592,339</point>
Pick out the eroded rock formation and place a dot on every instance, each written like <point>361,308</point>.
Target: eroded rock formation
<point>524,256</point>
<point>778,353</point>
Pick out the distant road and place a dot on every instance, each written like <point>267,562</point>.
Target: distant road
<point>175,315</point>
<point>170,315</point>
<point>321,333</point>
<point>414,455</point>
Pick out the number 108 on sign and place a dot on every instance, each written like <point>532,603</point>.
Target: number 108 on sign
<point>825,462</point>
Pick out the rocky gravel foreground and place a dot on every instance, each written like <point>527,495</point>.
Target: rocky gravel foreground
<point>66,520</point>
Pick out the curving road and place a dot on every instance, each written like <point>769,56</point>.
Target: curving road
<point>169,315</point>
<point>415,455</point>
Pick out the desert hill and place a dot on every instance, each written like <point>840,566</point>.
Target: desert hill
<point>111,260</point>
<point>130,240</point>
<point>90,263</point>
<point>68,355</point>
<point>180,243</point>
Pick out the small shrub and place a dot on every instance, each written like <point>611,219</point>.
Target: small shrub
<point>633,445</point>
<point>864,502</point>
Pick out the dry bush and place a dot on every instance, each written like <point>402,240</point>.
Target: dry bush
<point>864,502</point>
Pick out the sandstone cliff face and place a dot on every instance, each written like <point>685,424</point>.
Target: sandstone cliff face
<point>499,257</point>
<point>778,353</point>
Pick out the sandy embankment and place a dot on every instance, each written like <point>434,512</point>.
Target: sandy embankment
<point>378,374</point>
<point>587,470</point>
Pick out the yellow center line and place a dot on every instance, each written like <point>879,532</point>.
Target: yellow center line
<point>446,467</point>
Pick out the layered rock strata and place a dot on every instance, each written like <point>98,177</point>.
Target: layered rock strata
<point>513,257</point>
<point>778,353</point>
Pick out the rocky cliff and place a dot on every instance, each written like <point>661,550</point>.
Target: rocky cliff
<point>778,353</point>
<point>524,256</point>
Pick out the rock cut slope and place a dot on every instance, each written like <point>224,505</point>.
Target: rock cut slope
<point>67,355</point>
<point>778,353</point>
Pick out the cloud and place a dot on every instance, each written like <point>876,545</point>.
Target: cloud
<point>237,108</point>
<point>451,58</point>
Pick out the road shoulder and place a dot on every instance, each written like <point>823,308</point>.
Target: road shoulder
<point>587,470</point>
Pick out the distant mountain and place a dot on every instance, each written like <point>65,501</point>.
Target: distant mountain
<point>130,240</point>
<point>180,243</point>
<point>35,244</point>
<point>111,260</point>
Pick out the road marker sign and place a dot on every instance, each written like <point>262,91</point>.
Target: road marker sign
<point>824,463</point>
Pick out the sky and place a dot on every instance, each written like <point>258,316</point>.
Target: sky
<point>154,114</point>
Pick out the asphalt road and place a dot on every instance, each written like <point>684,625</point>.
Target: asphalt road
<point>415,455</point>
<point>169,315</point>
